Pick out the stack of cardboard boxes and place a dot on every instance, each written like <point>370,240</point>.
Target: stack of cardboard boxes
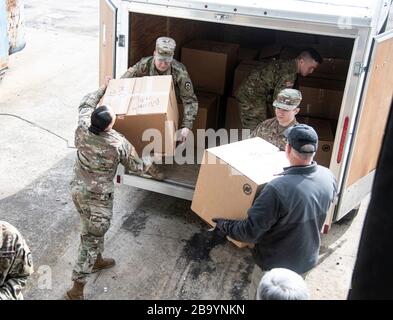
<point>217,69</point>
<point>322,93</point>
<point>211,65</point>
<point>232,116</point>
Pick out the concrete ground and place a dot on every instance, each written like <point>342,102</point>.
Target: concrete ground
<point>162,249</point>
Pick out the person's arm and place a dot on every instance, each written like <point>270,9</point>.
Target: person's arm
<point>261,217</point>
<point>257,131</point>
<point>188,98</point>
<point>130,160</point>
<point>133,72</point>
<point>89,103</point>
<point>286,78</point>
<point>21,269</point>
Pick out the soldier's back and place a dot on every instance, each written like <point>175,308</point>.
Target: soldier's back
<point>97,160</point>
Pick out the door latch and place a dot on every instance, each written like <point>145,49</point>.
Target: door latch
<point>122,40</point>
<point>358,69</point>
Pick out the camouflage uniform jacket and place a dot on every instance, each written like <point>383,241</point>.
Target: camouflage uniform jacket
<point>99,155</point>
<point>267,80</point>
<point>15,262</point>
<point>271,131</point>
<point>181,79</point>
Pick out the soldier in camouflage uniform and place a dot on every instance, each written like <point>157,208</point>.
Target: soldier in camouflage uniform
<point>15,262</point>
<point>286,107</point>
<point>162,63</point>
<point>263,84</point>
<point>100,150</point>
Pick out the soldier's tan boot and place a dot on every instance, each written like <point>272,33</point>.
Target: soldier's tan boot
<point>156,172</point>
<point>76,292</point>
<point>102,263</point>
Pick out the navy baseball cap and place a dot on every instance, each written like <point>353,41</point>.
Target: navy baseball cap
<point>300,135</point>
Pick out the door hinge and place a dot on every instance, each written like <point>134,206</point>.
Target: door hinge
<point>121,40</point>
<point>358,69</point>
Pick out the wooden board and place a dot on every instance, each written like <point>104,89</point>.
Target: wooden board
<point>377,102</point>
<point>107,40</point>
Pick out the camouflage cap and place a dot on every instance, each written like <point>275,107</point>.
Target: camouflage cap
<point>288,99</point>
<point>165,48</point>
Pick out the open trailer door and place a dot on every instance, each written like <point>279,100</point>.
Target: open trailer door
<point>108,12</point>
<point>370,126</point>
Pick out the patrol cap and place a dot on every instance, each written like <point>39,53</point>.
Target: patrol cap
<point>165,48</point>
<point>288,99</point>
<point>300,135</point>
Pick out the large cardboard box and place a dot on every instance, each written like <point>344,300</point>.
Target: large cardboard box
<point>325,138</point>
<point>145,103</point>
<point>332,68</point>
<point>210,64</point>
<point>231,177</point>
<point>324,83</point>
<point>207,112</point>
<point>232,115</point>
<point>247,54</point>
<point>242,71</point>
<point>270,51</point>
<point>322,103</point>
<point>321,97</point>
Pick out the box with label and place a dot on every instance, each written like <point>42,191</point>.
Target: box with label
<point>146,110</point>
<point>231,177</point>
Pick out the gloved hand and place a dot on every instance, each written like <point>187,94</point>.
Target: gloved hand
<point>156,172</point>
<point>221,225</point>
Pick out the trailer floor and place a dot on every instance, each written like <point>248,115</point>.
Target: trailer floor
<point>162,249</point>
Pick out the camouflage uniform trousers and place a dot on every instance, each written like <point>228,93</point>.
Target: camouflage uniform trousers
<point>253,110</point>
<point>95,212</point>
<point>252,114</point>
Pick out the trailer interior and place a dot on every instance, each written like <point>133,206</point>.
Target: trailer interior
<point>269,44</point>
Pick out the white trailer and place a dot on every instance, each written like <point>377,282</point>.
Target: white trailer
<point>128,30</point>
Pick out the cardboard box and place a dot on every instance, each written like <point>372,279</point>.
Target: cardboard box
<point>207,112</point>
<point>324,83</point>
<point>332,68</point>
<point>325,139</point>
<point>232,115</point>
<point>210,64</point>
<point>141,104</point>
<point>231,177</point>
<point>270,51</point>
<point>247,54</point>
<point>296,38</point>
<point>322,103</point>
<point>242,71</point>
